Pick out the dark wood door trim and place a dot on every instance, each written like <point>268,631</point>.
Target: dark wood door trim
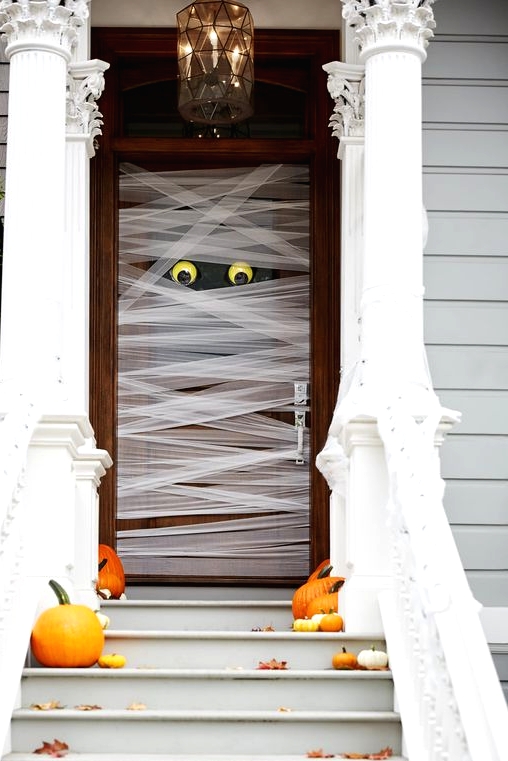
<point>319,149</point>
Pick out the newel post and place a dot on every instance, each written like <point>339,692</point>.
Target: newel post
<point>385,359</point>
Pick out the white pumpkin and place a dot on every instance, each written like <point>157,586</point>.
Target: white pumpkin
<point>372,659</point>
<point>103,620</point>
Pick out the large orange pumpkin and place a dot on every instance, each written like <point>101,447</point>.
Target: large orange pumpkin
<point>67,635</point>
<point>327,603</point>
<point>311,589</point>
<point>111,573</point>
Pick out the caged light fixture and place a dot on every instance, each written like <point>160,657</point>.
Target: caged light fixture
<point>215,62</point>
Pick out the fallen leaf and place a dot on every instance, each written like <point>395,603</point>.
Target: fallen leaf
<point>87,707</point>
<point>46,706</point>
<point>283,709</point>
<point>319,754</point>
<point>263,629</point>
<point>273,665</point>
<point>57,749</point>
<point>136,707</point>
<point>384,753</point>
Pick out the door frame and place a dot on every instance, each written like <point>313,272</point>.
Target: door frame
<point>319,149</point>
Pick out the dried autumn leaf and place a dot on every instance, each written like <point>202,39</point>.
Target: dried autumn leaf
<point>136,707</point>
<point>283,709</point>
<point>319,753</point>
<point>87,707</point>
<point>384,753</point>
<point>263,629</point>
<point>273,665</point>
<point>57,749</point>
<point>46,706</point>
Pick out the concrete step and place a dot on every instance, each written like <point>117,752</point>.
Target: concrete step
<point>222,615</point>
<point>201,689</point>
<point>208,732</point>
<point>232,650</point>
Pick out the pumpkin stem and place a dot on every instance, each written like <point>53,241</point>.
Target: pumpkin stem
<point>326,571</point>
<point>336,586</point>
<point>62,596</point>
<point>102,563</point>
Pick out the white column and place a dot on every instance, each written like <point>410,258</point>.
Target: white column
<point>85,85</point>
<point>392,36</point>
<point>40,36</point>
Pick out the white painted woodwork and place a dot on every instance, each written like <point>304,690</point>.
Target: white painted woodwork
<point>283,14</point>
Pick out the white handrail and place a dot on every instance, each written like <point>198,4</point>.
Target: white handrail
<point>18,601</point>
<point>449,695</point>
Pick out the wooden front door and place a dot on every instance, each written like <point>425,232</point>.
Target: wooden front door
<point>214,395</point>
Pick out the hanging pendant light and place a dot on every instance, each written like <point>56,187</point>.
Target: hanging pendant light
<point>215,62</point>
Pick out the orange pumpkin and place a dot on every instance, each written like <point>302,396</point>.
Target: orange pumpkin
<point>322,570</point>
<point>327,602</point>
<point>67,635</point>
<point>309,591</point>
<point>111,573</point>
<point>344,660</point>
<point>331,622</point>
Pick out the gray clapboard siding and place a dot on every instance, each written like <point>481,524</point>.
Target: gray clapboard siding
<point>468,367</point>
<point>476,502</point>
<point>466,278</point>
<point>470,17</point>
<point>447,147</point>
<point>483,412</point>
<point>465,184</point>
<point>475,457</point>
<point>456,58</point>
<point>466,323</point>
<point>468,190</point>
<point>483,548</point>
<point>465,104</point>
<point>467,234</point>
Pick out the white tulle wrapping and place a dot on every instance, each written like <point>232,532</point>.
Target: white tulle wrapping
<point>200,370</point>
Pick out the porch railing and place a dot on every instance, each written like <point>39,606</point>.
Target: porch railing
<point>449,695</point>
<point>18,601</point>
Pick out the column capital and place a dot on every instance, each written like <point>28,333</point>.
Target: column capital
<point>390,25</point>
<point>41,25</point>
<point>85,84</point>
<point>346,85</point>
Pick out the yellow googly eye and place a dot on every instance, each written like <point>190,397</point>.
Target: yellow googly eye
<point>184,272</point>
<point>240,273</point>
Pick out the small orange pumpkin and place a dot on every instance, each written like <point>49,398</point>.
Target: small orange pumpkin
<point>67,635</point>
<point>331,622</point>
<point>111,573</point>
<point>309,591</point>
<point>344,660</point>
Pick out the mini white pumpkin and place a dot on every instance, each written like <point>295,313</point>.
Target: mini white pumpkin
<point>103,620</point>
<point>372,659</point>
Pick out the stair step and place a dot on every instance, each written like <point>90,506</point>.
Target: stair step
<point>168,757</point>
<point>151,731</point>
<point>202,688</point>
<point>223,615</point>
<point>230,650</point>
<point>193,669</point>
